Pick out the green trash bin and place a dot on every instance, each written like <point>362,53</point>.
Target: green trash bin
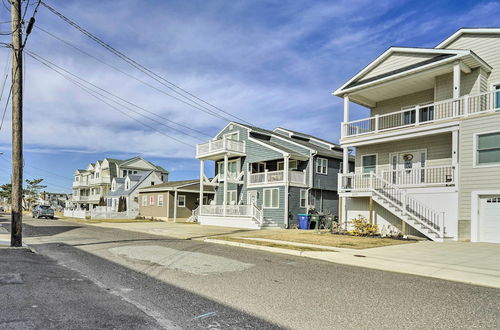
<point>314,221</point>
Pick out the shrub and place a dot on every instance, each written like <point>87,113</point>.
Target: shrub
<point>362,227</point>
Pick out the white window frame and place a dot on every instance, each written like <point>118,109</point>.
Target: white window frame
<point>181,198</point>
<point>271,202</point>
<point>475,157</point>
<point>303,199</point>
<point>160,200</point>
<point>324,165</point>
<point>151,200</point>
<point>237,133</point>
<point>228,197</point>
<point>290,166</point>
<point>220,165</point>
<point>376,163</point>
<point>145,200</point>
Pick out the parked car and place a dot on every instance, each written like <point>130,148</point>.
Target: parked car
<point>43,211</point>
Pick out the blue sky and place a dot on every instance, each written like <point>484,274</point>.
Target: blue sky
<point>272,63</point>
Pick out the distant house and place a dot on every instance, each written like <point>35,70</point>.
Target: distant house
<point>266,178</point>
<point>94,182</point>
<point>128,188</point>
<point>54,199</point>
<point>172,201</point>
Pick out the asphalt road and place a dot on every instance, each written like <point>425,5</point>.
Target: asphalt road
<point>192,284</point>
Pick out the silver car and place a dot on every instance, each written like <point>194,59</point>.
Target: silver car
<point>43,211</point>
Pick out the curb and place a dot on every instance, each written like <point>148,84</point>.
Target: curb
<point>448,273</point>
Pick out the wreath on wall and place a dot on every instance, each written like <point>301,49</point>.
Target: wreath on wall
<point>407,157</point>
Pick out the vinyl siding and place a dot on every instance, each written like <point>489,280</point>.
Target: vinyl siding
<point>438,150</point>
<point>470,83</point>
<point>486,47</point>
<point>329,181</point>
<point>470,178</point>
<point>396,61</point>
<point>395,104</point>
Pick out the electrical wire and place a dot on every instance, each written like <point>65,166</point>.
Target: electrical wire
<point>170,85</point>
<point>10,91</point>
<point>112,100</point>
<point>127,74</point>
<point>93,94</point>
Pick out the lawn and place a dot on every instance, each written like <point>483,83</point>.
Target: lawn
<point>322,237</point>
<point>271,244</point>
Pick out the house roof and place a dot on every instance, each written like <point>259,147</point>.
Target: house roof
<point>462,31</point>
<point>438,57</point>
<point>192,185</point>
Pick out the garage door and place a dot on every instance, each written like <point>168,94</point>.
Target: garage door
<point>489,219</point>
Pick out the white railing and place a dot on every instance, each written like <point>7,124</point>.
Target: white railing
<point>397,197</point>
<point>80,198</point>
<point>100,180</point>
<point>80,214</point>
<point>276,177</point>
<point>232,211</point>
<point>222,145</point>
<point>427,176</point>
<point>82,183</point>
<point>428,113</point>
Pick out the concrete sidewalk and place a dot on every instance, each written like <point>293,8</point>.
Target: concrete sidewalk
<point>473,263</point>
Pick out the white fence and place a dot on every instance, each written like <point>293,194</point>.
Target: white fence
<point>101,212</point>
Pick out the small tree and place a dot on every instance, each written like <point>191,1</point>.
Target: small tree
<point>102,202</point>
<point>362,227</point>
<point>32,191</point>
<point>6,192</point>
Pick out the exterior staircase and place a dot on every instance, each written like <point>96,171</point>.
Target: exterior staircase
<point>424,219</point>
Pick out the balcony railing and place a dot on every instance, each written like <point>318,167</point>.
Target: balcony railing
<point>101,180</point>
<point>276,177</point>
<point>415,177</point>
<point>220,146</point>
<point>80,198</point>
<point>82,183</point>
<point>429,113</point>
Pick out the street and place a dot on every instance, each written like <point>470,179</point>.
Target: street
<point>177,283</point>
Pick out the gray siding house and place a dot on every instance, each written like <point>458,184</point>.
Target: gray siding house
<point>265,178</point>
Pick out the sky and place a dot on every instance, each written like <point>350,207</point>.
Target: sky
<point>272,63</point>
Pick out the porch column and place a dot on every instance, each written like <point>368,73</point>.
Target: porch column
<point>175,205</point>
<point>168,205</point>
<point>224,198</point>
<point>202,179</point>
<point>287,178</point>
<point>456,88</point>
<point>454,155</point>
<point>346,115</point>
<point>345,161</point>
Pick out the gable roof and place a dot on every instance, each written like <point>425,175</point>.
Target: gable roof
<point>138,179</point>
<point>462,31</point>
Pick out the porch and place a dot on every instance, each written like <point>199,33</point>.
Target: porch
<point>217,149</point>
<point>238,216</point>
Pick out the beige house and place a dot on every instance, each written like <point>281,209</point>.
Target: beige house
<point>172,201</point>
<point>428,151</point>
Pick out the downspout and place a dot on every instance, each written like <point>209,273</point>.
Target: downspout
<point>311,176</point>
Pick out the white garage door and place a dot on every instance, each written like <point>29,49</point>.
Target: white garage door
<point>489,219</point>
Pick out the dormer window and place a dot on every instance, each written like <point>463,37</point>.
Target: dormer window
<point>113,186</point>
<point>127,185</point>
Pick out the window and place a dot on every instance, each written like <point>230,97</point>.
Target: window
<point>322,165</point>
<point>77,178</point>
<point>488,149</point>
<point>152,183</point>
<point>271,198</point>
<point>124,172</point>
<point>231,197</point>
<point>497,96</point>
<point>127,185</point>
<point>232,169</point>
<point>97,175</point>
<point>160,200</point>
<point>144,200</point>
<point>369,163</point>
<point>303,198</point>
<point>135,172</point>
<point>233,136</point>
<point>292,165</point>
<point>151,200</point>
<point>181,201</point>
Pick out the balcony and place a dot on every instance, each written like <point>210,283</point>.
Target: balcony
<point>80,198</point>
<point>419,115</point>
<point>216,149</point>
<point>100,180</point>
<point>296,178</point>
<point>430,176</point>
<point>79,184</point>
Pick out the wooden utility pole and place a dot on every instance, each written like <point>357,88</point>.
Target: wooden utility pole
<point>17,125</point>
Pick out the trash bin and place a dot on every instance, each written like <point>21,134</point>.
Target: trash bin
<point>314,221</point>
<point>304,221</point>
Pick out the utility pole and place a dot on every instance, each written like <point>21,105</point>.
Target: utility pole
<point>16,239</point>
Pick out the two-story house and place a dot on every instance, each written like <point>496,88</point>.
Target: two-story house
<point>265,178</point>
<point>428,152</point>
<point>94,183</point>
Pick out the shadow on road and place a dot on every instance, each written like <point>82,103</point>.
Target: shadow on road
<point>184,308</point>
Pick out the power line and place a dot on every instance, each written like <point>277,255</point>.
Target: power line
<point>10,91</point>
<point>106,97</point>
<point>170,85</point>
<point>92,93</point>
<point>128,75</point>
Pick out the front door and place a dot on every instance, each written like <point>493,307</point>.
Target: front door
<point>252,197</point>
<point>406,167</point>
